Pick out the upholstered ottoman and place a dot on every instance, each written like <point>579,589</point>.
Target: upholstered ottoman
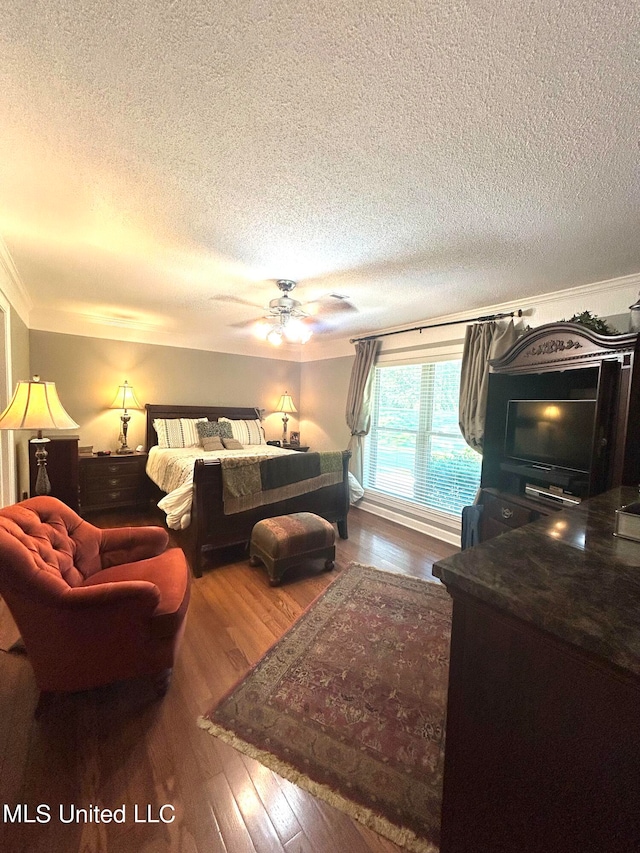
<point>287,540</point>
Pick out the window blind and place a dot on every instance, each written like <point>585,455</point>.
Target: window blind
<point>414,450</point>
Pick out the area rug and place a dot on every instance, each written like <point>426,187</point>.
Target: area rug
<point>350,703</point>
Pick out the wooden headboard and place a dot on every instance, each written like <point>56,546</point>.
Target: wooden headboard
<point>211,413</point>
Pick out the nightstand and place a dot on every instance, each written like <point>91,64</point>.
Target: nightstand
<point>111,482</point>
<point>300,447</point>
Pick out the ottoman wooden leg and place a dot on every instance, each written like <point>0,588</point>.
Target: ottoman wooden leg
<point>328,565</point>
<point>254,561</point>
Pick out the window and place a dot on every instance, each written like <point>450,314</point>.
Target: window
<point>415,450</point>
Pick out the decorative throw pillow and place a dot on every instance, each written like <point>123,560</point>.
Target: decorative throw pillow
<point>213,442</point>
<point>232,444</point>
<point>206,429</point>
<point>177,432</point>
<point>246,432</point>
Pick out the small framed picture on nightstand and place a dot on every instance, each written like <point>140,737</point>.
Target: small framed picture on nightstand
<point>294,439</point>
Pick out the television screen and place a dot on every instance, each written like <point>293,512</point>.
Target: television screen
<point>554,433</point>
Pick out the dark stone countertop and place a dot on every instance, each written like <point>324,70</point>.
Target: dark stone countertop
<point>566,574</point>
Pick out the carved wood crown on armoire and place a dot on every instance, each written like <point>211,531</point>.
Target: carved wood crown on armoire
<point>563,414</point>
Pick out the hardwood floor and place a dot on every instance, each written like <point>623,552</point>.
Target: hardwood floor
<point>119,746</point>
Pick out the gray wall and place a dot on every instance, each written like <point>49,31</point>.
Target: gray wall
<point>20,370</point>
<point>324,386</point>
<point>19,348</point>
<point>87,372</point>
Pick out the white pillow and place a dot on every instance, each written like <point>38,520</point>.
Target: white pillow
<point>246,432</point>
<point>177,432</point>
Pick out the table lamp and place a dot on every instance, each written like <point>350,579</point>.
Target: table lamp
<point>36,405</point>
<point>285,405</point>
<point>125,399</point>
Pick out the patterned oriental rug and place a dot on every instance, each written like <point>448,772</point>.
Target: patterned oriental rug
<point>350,704</point>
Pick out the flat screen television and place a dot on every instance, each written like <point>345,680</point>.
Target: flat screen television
<point>551,433</point>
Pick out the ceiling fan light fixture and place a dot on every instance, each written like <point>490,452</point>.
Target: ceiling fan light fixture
<point>295,331</point>
<point>261,330</point>
<point>275,336</point>
<point>305,334</point>
<point>287,319</point>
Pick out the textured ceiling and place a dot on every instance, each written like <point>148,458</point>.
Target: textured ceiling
<point>421,158</point>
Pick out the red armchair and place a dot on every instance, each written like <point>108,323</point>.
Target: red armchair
<point>93,606</point>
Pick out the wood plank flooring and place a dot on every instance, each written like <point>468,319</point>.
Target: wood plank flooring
<point>119,746</point>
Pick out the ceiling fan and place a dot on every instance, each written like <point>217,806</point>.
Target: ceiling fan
<point>287,319</point>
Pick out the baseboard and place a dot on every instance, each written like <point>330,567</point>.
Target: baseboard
<point>452,537</point>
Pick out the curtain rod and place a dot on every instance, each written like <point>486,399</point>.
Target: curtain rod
<point>486,319</point>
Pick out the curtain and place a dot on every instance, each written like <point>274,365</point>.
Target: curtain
<point>483,341</point>
<point>358,413</point>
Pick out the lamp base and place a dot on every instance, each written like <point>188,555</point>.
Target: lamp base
<point>42,484</point>
<point>124,449</point>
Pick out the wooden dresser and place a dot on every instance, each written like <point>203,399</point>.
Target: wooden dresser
<point>111,482</point>
<point>542,748</point>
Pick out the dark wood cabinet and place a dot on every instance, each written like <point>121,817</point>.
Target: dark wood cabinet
<point>62,468</point>
<point>111,482</point>
<point>560,362</point>
<point>503,512</point>
<point>542,752</point>
<point>542,749</point>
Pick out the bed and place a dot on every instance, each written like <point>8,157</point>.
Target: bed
<point>208,527</point>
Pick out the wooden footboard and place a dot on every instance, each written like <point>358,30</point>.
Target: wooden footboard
<point>211,529</point>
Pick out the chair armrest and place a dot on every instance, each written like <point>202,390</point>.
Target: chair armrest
<point>130,544</point>
<point>143,594</point>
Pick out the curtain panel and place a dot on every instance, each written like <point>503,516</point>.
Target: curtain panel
<point>358,412</point>
<point>483,341</point>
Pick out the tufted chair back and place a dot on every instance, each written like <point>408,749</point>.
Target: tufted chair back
<point>50,545</point>
<point>92,605</point>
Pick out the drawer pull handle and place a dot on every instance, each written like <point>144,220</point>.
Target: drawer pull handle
<point>114,496</point>
<point>506,512</point>
<point>113,482</point>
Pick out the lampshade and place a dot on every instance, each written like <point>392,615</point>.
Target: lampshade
<point>285,404</point>
<point>125,398</point>
<point>36,405</point>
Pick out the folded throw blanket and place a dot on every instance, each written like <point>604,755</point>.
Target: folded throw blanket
<point>282,470</point>
<point>252,481</point>
<point>240,476</point>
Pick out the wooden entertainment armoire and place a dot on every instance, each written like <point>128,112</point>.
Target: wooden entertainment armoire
<point>561,361</point>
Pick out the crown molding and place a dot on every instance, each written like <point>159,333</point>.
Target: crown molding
<point>606,298</point>
<point>13,286</point>
<point>530,304</point>
<point>607,287</point>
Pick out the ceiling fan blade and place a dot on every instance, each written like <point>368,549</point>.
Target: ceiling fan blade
<point>236,300</point>
<point>246,324</point>
<point>330,303</point>
<point>322,314</point>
